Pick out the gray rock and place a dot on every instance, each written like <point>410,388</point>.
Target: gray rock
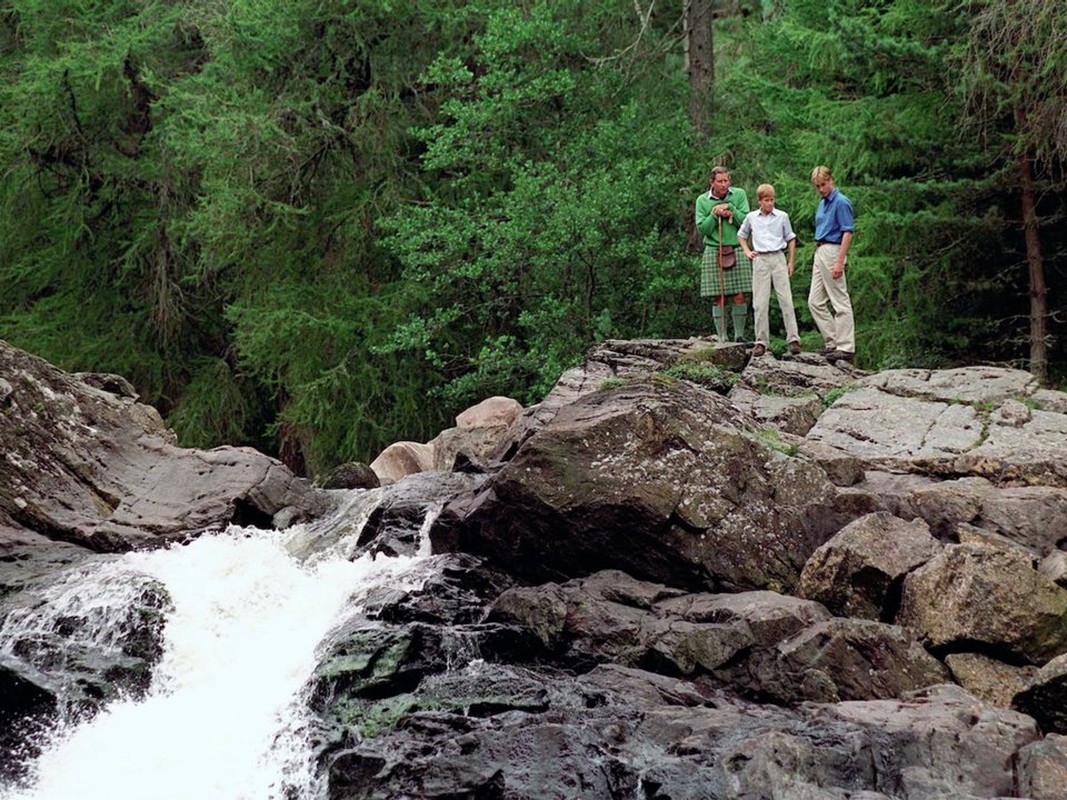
<point>617,360</point>
<point>1042,768</point>
<point>660,479</point>
<point>940,743</point>
<point>979,384</point>
<point>841,467</point>
<point>1050,400</point>
<point>98,469</point>
<point>888,429</point>
<point>860,571</point>
<point>971,421</point>
<point>972,593</point>
<point>795,415</point>
<point>1054,566</point>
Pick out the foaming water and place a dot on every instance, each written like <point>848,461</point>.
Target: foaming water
<point>224,717</point>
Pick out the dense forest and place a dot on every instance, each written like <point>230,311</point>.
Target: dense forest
<point>320,226</point>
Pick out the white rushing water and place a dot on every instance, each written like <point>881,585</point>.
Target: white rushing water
<point>224,718</point>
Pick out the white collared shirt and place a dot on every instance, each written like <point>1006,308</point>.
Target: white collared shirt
<point>769,232</point>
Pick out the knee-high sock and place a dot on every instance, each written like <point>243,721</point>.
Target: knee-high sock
<point>739,312</point>
<point>719,317</point>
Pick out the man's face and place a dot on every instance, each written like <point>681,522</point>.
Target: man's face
<point>824,186</point>
<point>720,184</point>
<point>766,203</point>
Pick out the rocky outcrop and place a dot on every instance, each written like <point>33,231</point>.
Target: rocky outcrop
<point>657,477</point>
<point>995,598</point>
<point>688,574</point>
<point>80,463</point>
<point>976,421</point>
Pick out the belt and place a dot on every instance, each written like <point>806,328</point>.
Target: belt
<point>821,242</point>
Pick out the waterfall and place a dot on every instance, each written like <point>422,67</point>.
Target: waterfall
<point>224,716</point>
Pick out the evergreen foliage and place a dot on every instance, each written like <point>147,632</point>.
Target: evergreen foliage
<point>554,208</point>
<point>320,227</point>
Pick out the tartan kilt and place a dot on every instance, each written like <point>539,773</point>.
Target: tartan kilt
<point>738,278</point>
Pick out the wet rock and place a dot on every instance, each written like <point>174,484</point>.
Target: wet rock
<point>401,520</point>
<point>27,708</point>
<point>351,475</point>
<point>618,732</point>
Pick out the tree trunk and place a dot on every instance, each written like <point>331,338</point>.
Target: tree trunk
<point>1036,266</point>
<point>699,63</point>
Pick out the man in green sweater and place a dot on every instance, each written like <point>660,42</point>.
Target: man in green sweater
<point>719,213</point>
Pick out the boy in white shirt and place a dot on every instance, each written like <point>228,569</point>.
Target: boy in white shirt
<point>772,236</point>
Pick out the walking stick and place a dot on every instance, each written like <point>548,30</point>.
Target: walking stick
<point>722,275</point>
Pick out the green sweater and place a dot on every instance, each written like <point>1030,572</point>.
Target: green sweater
<point>708,223</point>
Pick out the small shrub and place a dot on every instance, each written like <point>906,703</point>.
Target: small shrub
<point>709,375</point>
<point>832,396</point>
<point>771,438</point>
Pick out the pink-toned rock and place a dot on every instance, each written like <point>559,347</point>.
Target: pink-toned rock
<point>400,459</point>
<point>493,411</point>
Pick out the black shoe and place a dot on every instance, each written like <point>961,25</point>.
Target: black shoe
<point>840,355</point>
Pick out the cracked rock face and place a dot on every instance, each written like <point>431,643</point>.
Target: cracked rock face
<point>979,421</point>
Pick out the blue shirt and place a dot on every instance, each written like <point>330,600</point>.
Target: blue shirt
<point>770,232</point>
<point>834,217</point>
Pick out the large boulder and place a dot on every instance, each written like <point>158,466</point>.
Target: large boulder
<point>657,477</point>
<point>979,593</point>
<point>83,465</point>
<point>860,571</point>
<point>400,459</point>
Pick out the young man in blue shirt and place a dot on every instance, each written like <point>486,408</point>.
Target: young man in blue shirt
<point>834,227</point>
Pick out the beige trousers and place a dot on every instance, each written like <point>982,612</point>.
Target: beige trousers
<point>771,269</point>
<point>838,330</point>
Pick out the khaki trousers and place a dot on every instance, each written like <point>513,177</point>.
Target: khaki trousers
<point>771,269</point>
<point>838,330</point>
